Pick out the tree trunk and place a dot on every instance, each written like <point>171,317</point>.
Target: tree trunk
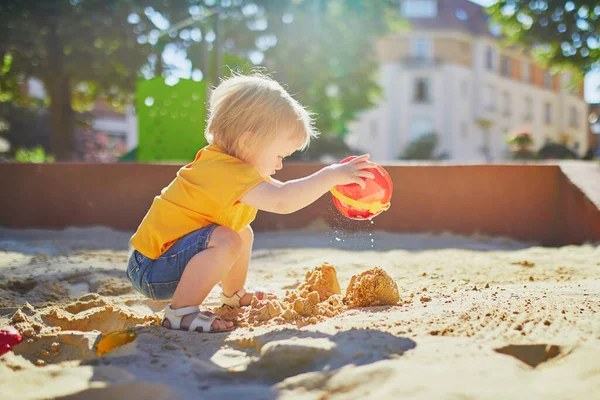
<point>58,87</point>
<point>217,50</point>
<point>62,120</point>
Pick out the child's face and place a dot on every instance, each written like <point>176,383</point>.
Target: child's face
<point>269,159</point>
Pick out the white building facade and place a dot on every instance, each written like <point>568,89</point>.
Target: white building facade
<point>450,75</point>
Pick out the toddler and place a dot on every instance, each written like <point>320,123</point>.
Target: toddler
<point>197,232</point>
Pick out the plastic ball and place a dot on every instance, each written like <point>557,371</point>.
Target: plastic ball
<point>357,203</point>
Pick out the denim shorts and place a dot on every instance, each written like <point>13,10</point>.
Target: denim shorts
<point>158,279</point>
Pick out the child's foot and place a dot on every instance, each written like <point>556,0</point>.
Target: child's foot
<point>242,298</point>
<point>191,317</point>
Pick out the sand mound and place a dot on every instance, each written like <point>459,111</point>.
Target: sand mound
<point>371,288</point>
<point>105,319</point>
<point>70,332</point>
<point>317,298</point>
<point>92,314</point>
<point>323,280</point>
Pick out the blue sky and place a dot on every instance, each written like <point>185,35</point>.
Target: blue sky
<point>592,79</point>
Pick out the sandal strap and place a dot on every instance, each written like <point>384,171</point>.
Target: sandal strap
<point>202,321</point>
<point>175,315</point>
<point>234,299</point>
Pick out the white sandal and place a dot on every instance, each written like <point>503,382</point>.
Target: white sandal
<point>234,300</point>
<point>203,320</point>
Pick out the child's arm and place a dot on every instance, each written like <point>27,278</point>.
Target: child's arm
<point>296,194</point>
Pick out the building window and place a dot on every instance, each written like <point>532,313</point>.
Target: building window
<point>489,58</point>
<point>505,66</point>
<point>528,109</point>
<point>573,118</point>
<point>419,8</point>
<point>491,97</point>
<point>526,71</point>
<point>422,48</point>
<point>548,113</point>
<point>506,103</point>
<point>547,80</point>
<point>422,91</point>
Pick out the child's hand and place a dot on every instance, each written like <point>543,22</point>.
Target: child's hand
<point>290,196</point>
<point>352,172</point>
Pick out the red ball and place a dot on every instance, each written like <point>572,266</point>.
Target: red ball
<point>357,203</point>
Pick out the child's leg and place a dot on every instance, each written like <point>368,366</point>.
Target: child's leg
<point>204,271</point>
<point>236,278</point>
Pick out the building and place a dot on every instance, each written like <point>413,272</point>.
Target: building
<point>594,131</point>
<point>449,74</point>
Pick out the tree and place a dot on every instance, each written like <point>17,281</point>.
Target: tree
<point>562,33</point>
<point>323,50</point>
<point>79,49</point>
<point>325,53</point>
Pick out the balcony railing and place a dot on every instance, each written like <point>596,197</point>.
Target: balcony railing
<point>415,61</point>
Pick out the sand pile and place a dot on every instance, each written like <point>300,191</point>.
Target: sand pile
<point>371,288</point>
<point>317,298</point>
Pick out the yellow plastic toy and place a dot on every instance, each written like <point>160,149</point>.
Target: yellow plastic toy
<point>114,340</point>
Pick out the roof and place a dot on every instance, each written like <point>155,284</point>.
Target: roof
<point>476,21</point>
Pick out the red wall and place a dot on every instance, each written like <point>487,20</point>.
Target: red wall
<point>530,202</point>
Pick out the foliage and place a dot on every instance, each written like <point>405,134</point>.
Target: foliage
<point>24,126</point>
<point>423,148</point>
<point>564,33</point>
<point>521,143</point>
<point>35,155</point>
<point>80,50</point>
<point>325,53</point>
<point>83,50</point>
<point>553,150</point>
<point>99,147</point>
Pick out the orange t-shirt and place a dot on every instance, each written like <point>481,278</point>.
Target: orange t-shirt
<point>205,192</point>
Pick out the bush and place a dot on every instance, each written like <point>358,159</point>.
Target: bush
<point>35,155</point>
<point>423,148</point>
<point>522,143</point>
<point>553,150</point>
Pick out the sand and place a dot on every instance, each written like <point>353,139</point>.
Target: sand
<point>416,316</point>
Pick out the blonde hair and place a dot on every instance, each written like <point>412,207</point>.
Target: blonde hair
<point>258,104</point>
